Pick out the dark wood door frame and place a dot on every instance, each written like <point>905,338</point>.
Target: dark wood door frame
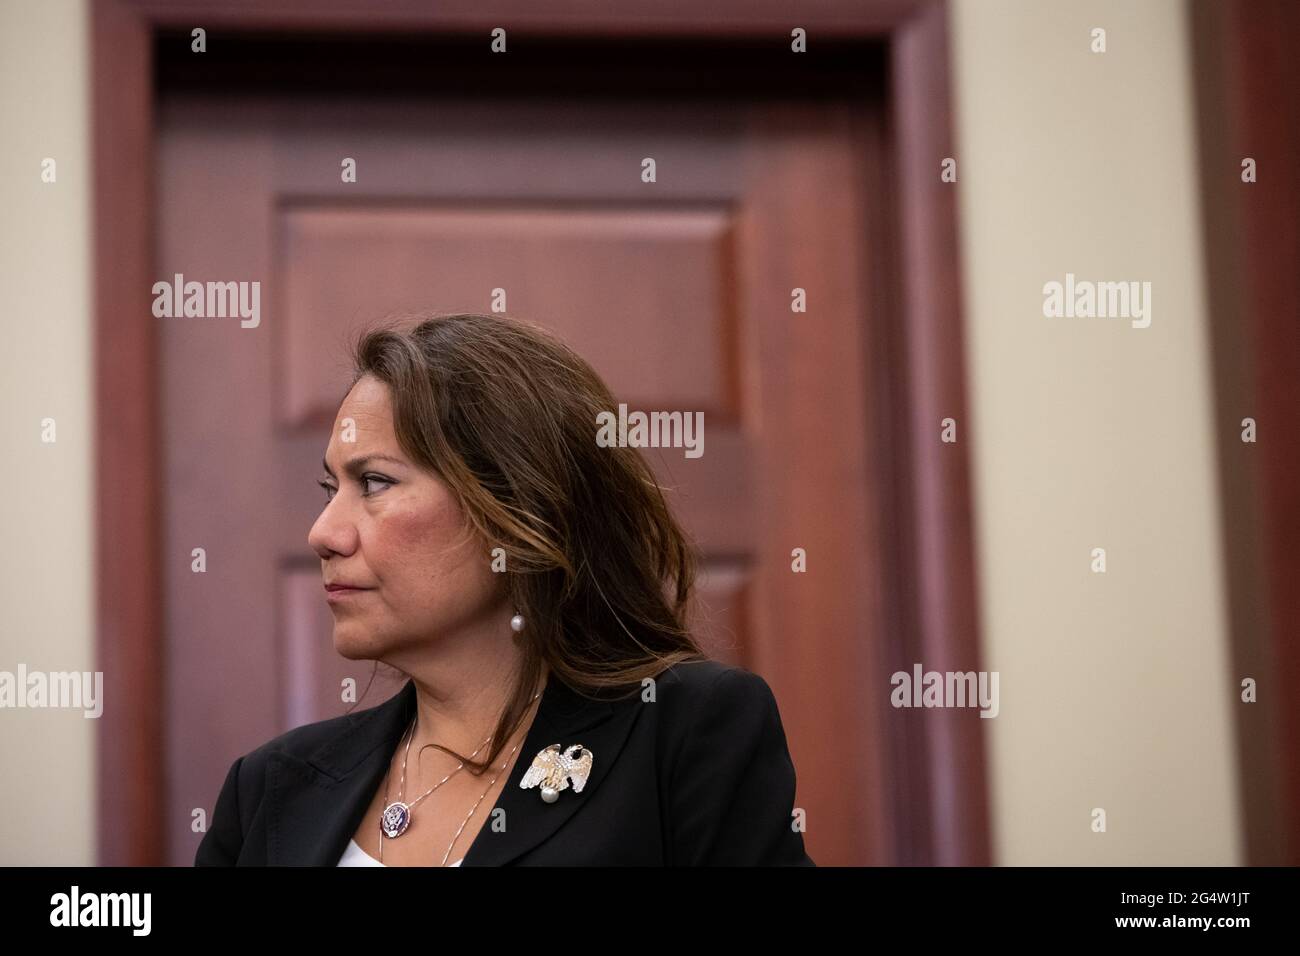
<point>1248,95</point>
<point>938,804</point>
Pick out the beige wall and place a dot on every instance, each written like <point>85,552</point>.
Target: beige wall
<point>47,800</point>
<point>1090,433</point>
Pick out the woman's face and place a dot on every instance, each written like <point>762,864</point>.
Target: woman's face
<point>399,564</point>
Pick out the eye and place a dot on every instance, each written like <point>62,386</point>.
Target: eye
<point>366,481</point>
<point>329,489</point>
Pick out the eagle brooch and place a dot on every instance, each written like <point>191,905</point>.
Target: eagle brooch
<point>553,769</point>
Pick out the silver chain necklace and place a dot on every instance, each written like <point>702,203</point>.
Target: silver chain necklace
<point>397,816</point>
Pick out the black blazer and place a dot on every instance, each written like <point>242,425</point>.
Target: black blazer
<point>701,776</point>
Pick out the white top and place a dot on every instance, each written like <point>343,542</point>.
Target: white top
<point>355,856</point>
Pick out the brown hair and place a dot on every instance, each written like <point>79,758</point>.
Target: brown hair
<point>505,414</point>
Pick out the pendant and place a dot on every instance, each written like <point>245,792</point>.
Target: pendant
<point>396,818</point>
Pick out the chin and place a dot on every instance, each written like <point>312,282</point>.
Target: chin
<point>357,643</point>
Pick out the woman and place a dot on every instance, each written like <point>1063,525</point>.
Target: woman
<point>532,585</point>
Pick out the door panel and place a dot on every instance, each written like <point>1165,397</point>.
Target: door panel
<point>677,291</point>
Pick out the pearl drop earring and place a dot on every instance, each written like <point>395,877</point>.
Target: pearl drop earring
<point>517,623</point>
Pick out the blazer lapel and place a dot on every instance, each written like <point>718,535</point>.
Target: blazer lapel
<point>564,717</point>
<point>315,804</point>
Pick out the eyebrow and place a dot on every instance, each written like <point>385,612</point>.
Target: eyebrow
<point>357,465</point>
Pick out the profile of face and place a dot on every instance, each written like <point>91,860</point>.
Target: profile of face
<point>400,565</point>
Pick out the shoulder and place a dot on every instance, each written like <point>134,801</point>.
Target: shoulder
<point>240,798</point>
<point>707,685</point>
<point>711,703</point>
<point>695,680</point>
<point>730,780</point>
<point>699,702</point>
<point>306,739</point>
<point>300,742</point>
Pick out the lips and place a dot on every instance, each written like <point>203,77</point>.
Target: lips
<point>339,591</point>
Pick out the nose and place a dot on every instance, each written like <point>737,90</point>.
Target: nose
<point>334,533</point>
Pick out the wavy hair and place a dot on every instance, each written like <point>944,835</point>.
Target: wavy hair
<point>506,415</point>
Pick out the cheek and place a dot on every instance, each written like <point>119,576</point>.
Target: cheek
<point>415,550</point>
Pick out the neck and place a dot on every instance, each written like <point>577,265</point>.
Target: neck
<point>462,683</point>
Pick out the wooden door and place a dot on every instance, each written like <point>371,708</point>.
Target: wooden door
<point>678,291</point>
